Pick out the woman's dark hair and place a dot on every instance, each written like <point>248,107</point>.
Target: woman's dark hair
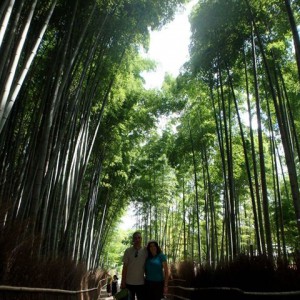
<point>157,247</point>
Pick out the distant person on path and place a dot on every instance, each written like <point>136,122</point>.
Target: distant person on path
<point>157,272</point>
<point>108,284</point>
<point>114,285</point>
<point>134,268</point>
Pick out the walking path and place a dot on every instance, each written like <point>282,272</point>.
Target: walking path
<point>104,295</point>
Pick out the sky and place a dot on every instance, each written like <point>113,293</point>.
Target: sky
<point>169,48</point>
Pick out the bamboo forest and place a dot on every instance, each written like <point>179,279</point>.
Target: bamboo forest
<point>81,141</point>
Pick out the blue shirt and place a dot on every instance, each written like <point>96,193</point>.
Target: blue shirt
<point>154,267</point>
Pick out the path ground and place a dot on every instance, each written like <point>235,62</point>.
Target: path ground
<point>104,295</point>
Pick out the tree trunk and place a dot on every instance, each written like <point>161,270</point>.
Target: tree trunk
<point>294,32</point>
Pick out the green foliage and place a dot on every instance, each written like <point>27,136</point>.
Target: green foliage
<point>83,142</point>
<point>117,242</point>
<point>218,32</point>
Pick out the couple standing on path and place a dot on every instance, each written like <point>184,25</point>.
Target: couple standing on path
<point>145,271</point>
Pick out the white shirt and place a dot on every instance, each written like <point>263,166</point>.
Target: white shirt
<point>135,261</point>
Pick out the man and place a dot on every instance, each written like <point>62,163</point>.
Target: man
<point>133,268</point>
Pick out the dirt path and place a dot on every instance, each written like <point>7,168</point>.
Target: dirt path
<point>104,295</point>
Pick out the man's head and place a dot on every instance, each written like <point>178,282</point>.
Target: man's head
<point>137,239</point>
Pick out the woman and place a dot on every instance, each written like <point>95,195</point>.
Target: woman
<point>108,284</point>
<point>156,272</point>
<point>114,285</point>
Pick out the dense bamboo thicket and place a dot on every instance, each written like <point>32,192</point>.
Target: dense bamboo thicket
<point>69,87</point>
<point>225,181</point>
<point>78,137</point>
